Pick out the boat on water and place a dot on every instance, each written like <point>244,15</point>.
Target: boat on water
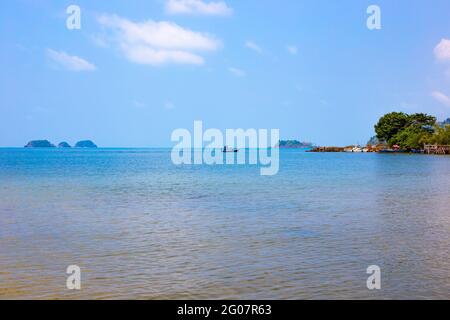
<point>229,149</point>
<point>395,149</point>
<point>392,151</point>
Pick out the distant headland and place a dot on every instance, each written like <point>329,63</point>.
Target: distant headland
<point>48,144</point>
<point>293,144</point>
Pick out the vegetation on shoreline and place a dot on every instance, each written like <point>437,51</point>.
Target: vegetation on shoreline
<point>401,132</point>
<point>411,132</point>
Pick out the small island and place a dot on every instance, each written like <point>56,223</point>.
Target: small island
<point>39,144</point>
<point>64,145</point>
<point>85,144</point>
<point>293,144</point>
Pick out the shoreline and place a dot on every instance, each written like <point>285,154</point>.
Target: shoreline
<point>428,149</point>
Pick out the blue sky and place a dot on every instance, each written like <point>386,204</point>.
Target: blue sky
<point>138,69</point>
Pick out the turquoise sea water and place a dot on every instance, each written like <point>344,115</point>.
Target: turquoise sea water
<point>141,227</point>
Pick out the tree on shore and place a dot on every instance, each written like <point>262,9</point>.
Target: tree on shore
<point>390,124</point>
<point>441,136</point>
<point>411,138</point>
<point>409,131</point>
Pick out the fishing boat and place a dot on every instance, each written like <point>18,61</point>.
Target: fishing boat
<point>228,149</point>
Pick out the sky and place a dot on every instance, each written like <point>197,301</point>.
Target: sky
<point>137,70</point>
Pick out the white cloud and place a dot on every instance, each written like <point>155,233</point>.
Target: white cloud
<point>157,43</point>
<point>151,56</point>
<point>442,98</point>
<point>72,63</point>
<point>253,46</point>
<point>442,50</point>
<point>292,50</point>
<point>237,72</point>
<point>199,7</point>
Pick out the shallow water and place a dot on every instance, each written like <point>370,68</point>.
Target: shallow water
<point>141,227</point>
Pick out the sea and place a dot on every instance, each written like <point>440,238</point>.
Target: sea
<point>140,227</point>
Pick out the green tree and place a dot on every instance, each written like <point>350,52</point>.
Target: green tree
<point>391,124</point>
<point>412,137</point>
<point>407,131</point>
<point>441,136</point>
<point>423,122</point>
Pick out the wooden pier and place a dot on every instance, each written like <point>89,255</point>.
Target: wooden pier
<point>436,149</point>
